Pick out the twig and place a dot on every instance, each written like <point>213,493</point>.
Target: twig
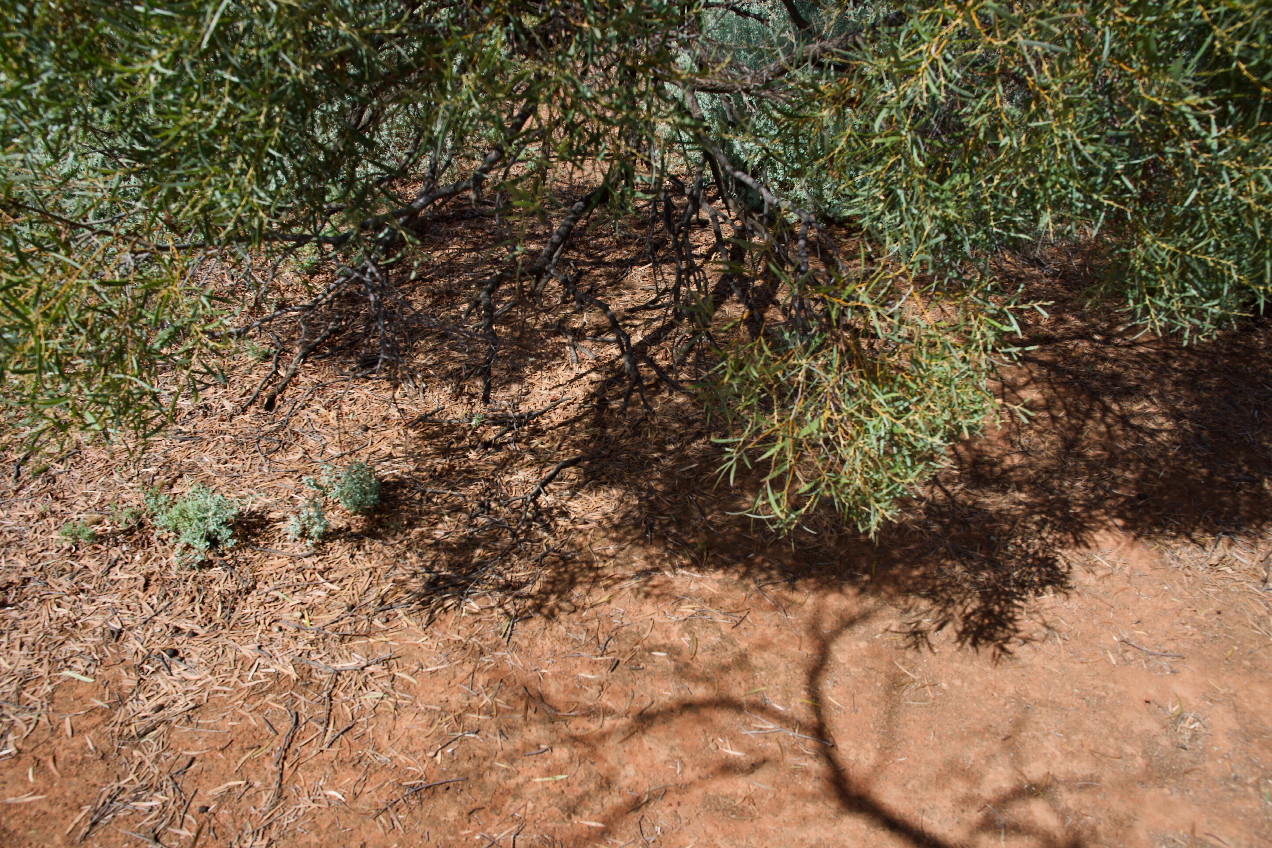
<point>1150,652</point>
<point>280,553</point>
<point>272,397</point>
<point>338,634</point>
<point>337,668</point>
<point>278,759</point>
<point>415,790</point>
<point>341,732</point>
<point>773,727</point>
<point>543,484</point>
<point>512,421</point>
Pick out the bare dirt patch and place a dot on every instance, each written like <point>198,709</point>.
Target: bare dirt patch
<point>1065,642</point>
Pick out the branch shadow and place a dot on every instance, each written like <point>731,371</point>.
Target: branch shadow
<point>846,794</point>
<point>1115,434</point>
<point>1110,433</point>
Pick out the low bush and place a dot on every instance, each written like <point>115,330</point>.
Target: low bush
<point>357,489</point>
<point>310,524</point>
<point>202,522</point>
<point>78,532</point>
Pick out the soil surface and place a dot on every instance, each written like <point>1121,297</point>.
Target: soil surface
<point>1065,641</point>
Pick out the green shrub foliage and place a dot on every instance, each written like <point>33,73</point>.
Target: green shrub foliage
<point>77,532</point>
<point>201,522</point>
<point>310,524</point>
<point>357,489</point>
<point>862,169</point>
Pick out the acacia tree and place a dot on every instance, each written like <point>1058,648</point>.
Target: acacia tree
<point>860,170</point>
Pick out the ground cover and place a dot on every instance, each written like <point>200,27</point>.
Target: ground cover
<point>556,628</point>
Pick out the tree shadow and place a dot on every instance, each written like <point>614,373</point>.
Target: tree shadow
<point>1115,436</point>
<point>1110,433</point>
<point>846,794</point>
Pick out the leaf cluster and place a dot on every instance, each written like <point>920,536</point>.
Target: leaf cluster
<point>356,488</point>
<point>201,522</point>
<point>310,524</point>
<point>859,170</point>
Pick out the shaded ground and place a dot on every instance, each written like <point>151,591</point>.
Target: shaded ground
<point>1065,642</point>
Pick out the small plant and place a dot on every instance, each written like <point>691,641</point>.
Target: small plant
<point>310,524</point>
<point>357,489</point>
<point>125,517</point>
<point>255,352</point>
<point>77,532</point>
<point>202,521</point>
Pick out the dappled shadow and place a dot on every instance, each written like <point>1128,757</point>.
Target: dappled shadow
<point>855,798</point>
<point>1141,436</point>
<point>1108,432</point>
<point>856,794</point>
<point>1137,435</point>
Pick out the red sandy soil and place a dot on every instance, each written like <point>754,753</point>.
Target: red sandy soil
<point>685,708</point>
<point>1066,641</point>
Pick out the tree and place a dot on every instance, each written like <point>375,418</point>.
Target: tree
<point>861,169</point>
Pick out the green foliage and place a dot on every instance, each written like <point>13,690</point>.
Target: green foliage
<point>830,421</point>
<point>875,162</point>
<point>356,488</point>
<point>85,339</point>
<point>310,524</point>
<point>201,522</point>
<point>77,532</point>
<point>255,352</point>
<point>949,131</point>
<point>791,144</point>
<point>125,517</point>
<point>144,146</point>
<point>943,135</point>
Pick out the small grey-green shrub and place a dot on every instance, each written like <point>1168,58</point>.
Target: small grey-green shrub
<point>310,524</point>
<point>202,521</point>
<point>78,531</point>
<point>125,517</point>
<point>357,489</point>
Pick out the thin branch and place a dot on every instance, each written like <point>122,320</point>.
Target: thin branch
<point>301,354</point>
<point>532,497</point>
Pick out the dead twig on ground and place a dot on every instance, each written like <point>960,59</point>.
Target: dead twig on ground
<point>1150,652</point>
